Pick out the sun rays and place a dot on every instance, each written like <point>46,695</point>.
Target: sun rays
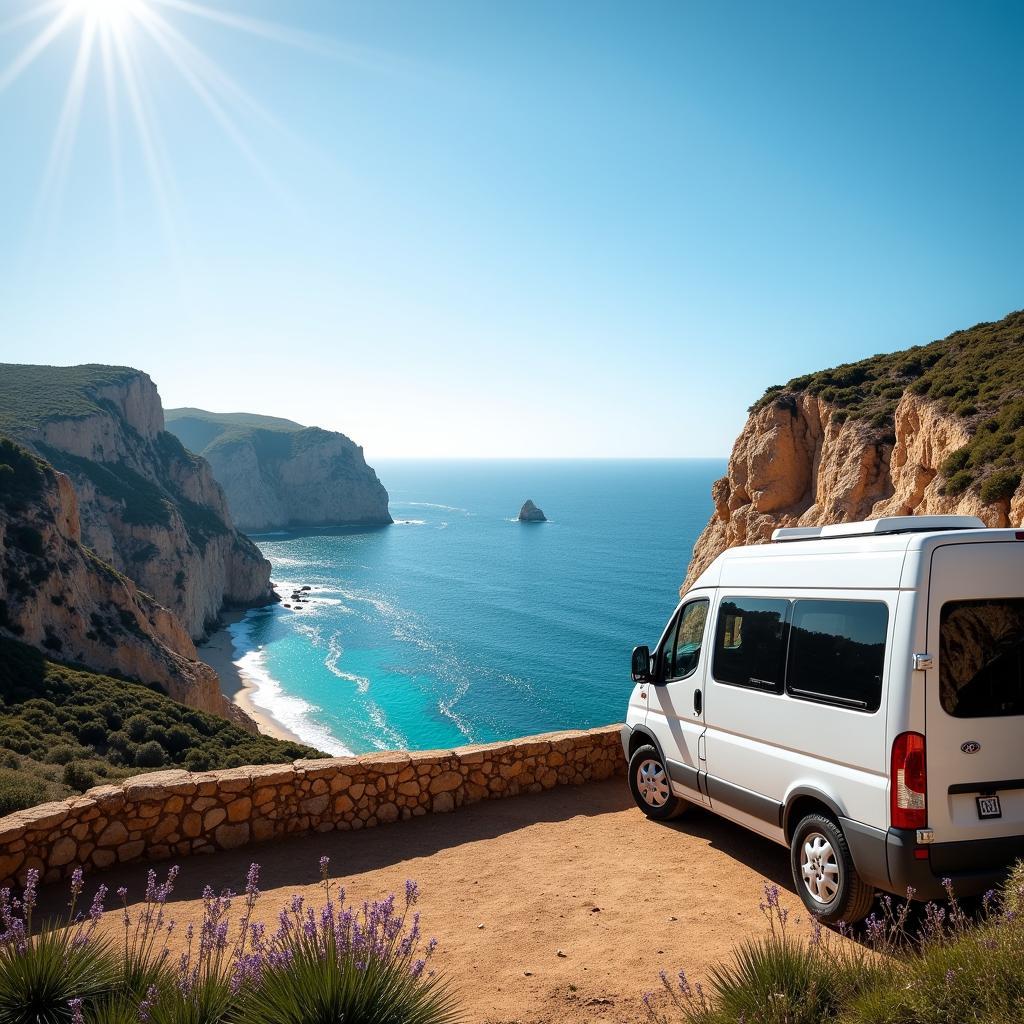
<point>107,69</point>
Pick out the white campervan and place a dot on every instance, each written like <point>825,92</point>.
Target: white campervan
<point>854,692</point>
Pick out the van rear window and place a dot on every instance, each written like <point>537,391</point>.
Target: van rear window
<point>837,652</point>
<point>981,658</point>
<point>750,642</point>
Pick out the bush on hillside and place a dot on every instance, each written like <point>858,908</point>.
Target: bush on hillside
<point>1001,485</point>
<point>59,723</point>
<point>19,790</point>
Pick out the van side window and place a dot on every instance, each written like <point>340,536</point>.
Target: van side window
<point>688,640</point>
<point>837,651</point>
<point>750,642</point>
<point>981,658</point>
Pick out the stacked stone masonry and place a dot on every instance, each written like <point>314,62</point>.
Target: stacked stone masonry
<point>173,814</point>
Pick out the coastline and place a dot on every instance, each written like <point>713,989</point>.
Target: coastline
<point>218,651</point>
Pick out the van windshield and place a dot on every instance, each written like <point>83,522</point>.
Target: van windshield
<point>981,658</point>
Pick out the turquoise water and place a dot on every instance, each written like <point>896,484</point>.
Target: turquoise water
<point>460,625</point>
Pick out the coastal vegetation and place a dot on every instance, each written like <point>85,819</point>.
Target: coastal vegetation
<point>32,395</point>
<point>333,962</point>
<point>975,374</point>
<point>64,730</point>
<point>936,965</point>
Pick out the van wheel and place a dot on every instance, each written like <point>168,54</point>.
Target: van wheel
<point>824,873</point>
<point>648,779</point>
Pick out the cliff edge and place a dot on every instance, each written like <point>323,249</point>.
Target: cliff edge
<point>147,507</point>
<point>61,598</point>
<point>935,429</point>
<point>279,474</point>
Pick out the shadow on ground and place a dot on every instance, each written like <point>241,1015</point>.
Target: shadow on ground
<point>294,861</point>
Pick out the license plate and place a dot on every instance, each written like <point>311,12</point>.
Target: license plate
<point>988,807</point>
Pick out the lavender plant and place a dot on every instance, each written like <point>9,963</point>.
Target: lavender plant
<point>338,963</point>
<point>43,968</point>
<point>331,962</point>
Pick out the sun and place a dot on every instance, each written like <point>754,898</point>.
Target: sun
<point>121,46</point>
<point>112,14</point>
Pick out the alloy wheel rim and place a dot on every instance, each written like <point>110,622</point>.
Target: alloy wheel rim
<point>819,868</point>
<point>652,782</point>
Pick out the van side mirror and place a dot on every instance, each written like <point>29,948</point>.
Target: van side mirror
<point>641,669</point>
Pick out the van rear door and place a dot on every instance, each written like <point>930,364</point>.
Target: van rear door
<point>974,694</point>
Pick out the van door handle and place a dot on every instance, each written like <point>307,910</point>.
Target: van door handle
<point>698,702</point>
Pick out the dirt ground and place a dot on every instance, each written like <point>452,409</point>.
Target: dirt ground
<point>508,884</point>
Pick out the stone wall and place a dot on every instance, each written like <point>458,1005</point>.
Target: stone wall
<point>173,814</point>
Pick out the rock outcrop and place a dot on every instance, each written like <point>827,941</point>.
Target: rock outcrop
<point>803,460</point>
<point>60,597</point>
<point>529,513</point>
<point>278,474</point>
<point>148,507</point>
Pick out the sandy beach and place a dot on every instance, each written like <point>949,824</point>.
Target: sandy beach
<point>219,653</point>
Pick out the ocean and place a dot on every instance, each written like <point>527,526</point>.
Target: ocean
<point>460,625</point>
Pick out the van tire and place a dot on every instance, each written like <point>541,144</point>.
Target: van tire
<point>650,786</point>
<point>819,850</point>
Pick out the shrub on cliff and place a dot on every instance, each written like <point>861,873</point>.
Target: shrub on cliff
<point>52,714</point>
<point>19,790</point>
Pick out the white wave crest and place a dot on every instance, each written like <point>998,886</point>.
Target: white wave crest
<point>292,712</point>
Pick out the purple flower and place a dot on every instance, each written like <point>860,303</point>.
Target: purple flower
<point>96,910</point>
<point>77,885</point>
<point>75,1006</point>
<point>28,897</point>
<point>147,1004</point>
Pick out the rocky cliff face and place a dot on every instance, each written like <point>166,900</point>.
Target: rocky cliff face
<point>60,597</point>
<point>148,507</point>
<point>802,460</point>
<point>282,474</point>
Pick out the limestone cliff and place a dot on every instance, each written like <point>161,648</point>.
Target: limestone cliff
<point>148,507</point>
<point>279,474</point>
<point>58,596</point>
<point>938,429</point>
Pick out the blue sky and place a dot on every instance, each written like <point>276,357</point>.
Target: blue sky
<point>509,229</point>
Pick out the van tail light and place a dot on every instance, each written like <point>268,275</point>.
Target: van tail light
<point>908,807</point>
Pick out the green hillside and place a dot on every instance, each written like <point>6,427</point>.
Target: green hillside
<point>63,730</point>
<point>977,374</point>
<point>271,437</point>
<point>31,395</point>
<point>199,430</point>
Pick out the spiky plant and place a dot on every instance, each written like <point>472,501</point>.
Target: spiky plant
<point>334,964</point>
<point>42,971</point>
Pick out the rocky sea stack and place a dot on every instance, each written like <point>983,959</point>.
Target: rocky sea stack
<point>529,513</point>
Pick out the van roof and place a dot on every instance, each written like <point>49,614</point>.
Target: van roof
<point>875,527</point>
<point>880,554</point>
